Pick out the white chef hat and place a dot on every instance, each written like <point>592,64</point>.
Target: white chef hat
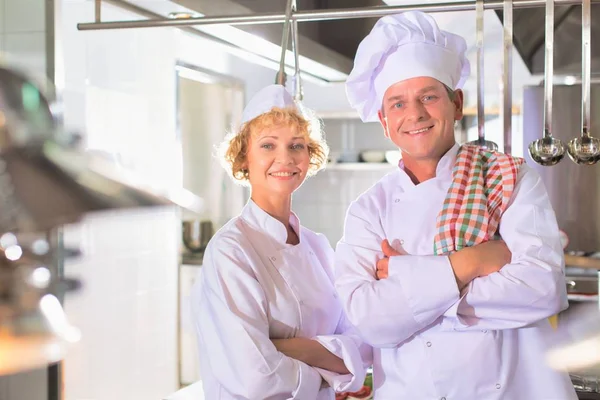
<point>400,47</point>
<point>267,98</point>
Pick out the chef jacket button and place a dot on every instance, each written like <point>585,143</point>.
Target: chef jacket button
<point>401,241</point>
<point>498,386</point>
<point>397,201</point>
<point>443,398</point>
<point>335,295</point>
<point>428,344</point>
<point>484,331</point>
<point>301,302</point>
<point>273,259</point>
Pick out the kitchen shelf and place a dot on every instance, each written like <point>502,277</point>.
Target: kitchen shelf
<point>583,298</point>
<point>359,166</point>
<point>582,262</point>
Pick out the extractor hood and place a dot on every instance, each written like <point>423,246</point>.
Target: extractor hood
<point>529,39</point>
<point>330,43</point>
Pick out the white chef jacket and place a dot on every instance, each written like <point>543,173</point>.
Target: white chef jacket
<point>253,287</point>
<point>430,341</point>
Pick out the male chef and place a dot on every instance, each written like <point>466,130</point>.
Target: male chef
<point>450,265</point>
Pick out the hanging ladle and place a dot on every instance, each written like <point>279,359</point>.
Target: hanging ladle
<point>479,10</point>
<point>548,150</point>
<point>585,149</point>
<point>507,16</point>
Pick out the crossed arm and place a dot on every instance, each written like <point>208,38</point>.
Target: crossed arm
<point>464,289</point>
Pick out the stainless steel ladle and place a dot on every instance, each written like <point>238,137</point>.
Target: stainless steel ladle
<point>481,141</point>
<point>507,17</point>
<point>548,151</point>
<point>585,149</point>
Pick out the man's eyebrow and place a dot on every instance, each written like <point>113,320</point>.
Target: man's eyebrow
<point>428,89</point>
<point>393,98</point>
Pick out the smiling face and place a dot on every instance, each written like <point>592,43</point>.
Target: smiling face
<point>418,115</point>
<point>277,161</point>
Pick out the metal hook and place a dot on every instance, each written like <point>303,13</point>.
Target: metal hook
<point>281,78</point>
<point>292,27</point>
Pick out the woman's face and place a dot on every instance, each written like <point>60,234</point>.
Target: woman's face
<point>277,160</point>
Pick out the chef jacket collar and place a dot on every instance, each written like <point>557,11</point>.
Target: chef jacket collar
<point>261,220</point>
<point>443,169</point>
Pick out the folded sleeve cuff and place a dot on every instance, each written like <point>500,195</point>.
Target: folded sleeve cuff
<point>345,348</point>
<point>309,382</point>
<point>428,283</point>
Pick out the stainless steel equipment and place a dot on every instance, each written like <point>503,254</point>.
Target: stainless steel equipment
<point>574,190</point>
<point>480,141</point>
<point>585,149</point>
<point>548,150</point>
<point>46,181</point>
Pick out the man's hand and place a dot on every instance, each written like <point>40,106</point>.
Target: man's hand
<point>480,260</point>
<point>382,265</point>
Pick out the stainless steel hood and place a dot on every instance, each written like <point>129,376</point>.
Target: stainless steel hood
<point>529,39</point>
<point>332,43</point>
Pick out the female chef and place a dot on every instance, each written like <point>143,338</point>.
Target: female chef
<point>268,320</point>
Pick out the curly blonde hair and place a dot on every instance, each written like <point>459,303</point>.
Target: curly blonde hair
<point>233,151</point>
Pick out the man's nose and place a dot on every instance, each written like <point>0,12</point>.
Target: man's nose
<point>417,112</point>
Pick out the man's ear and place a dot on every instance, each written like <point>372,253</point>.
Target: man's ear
<point>458,101</point>
<point>383,121</point>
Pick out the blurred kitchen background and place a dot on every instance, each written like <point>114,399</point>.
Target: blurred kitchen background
<point>157,100</point>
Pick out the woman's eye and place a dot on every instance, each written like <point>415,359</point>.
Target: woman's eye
<point>267,146</point>
<point>298,146</point>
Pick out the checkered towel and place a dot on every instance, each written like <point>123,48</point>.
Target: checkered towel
<point>482,184</point>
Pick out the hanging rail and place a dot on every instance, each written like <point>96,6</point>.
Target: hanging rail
<point>316,15</point>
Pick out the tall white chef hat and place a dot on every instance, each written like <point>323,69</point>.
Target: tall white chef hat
<point>400,47</point>
<point>267,98</point>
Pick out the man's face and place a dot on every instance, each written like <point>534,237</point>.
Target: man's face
<point>418,116</point>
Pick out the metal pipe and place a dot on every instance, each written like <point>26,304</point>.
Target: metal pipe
<point>298,94</point>
<point>285,39</point>
<point>316,15</point>
<point>479,7</point>
<point>507,17</point>
<point>98,11</point>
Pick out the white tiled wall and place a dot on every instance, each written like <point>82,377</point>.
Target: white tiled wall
<point>322,201</point>
<point>23,35</point>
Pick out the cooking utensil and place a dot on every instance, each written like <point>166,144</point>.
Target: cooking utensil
<point>507,75</point>
<point>585,149</point>
<point>373,156</point>
<point>548,151</point>
<point>196,235</point>
<point>479,11</point>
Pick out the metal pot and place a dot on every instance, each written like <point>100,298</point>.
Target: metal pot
<point>196,234</point>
